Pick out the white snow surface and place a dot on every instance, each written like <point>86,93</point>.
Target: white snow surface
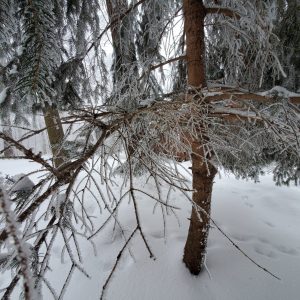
<point>22,183</point>
<point>261,218</point>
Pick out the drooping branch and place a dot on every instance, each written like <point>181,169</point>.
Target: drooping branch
<point>28,153</point>
<point>223,11</point>
<point>19,245</point>
<point>248,96</point>
<point>168,120</point>
<point>108,27</point>
<point>154,67</point>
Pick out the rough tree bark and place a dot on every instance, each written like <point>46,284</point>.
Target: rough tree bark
<point>55,134</point>
<point>203,174</point>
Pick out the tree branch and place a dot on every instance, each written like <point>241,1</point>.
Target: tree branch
<point>162,64</point>
<point>223,11</point>
<point>28,153</point>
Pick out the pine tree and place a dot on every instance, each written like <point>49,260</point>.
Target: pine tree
<point>38,73</point>
<point>203,170</point>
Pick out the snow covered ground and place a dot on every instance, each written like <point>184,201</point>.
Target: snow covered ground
<point>263,220</point>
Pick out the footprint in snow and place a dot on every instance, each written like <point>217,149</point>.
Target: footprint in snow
<point>260,249</point>
<point>286,250</point>
<point>264,240</point>
<point>269,224</point>
<point>180,237</point>
<point>249,204</point>
<point>241,237</point>
<point>157,235</point>
<point>107,266</point>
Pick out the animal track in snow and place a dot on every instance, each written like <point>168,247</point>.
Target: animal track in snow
<point>261,249</point>
<point>249,204</point>
<point>262,245</point>
<point>286,250</point>
<point>157,234</point>
<point>264,240</point>
<point>107,266</point>
<point>241,237</point>
<point>269,224</point>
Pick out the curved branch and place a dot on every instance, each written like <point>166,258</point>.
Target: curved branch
<point>162,64</point>
<point>223,11</point>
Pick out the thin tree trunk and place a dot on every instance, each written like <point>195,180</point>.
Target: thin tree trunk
<point>195,247</point>
<point>203,174</point>
<point>9,152</point>
<point>125,69</point>
<point>55,134</point>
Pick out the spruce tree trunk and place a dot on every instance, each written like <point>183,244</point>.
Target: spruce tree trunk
<point>125,71</point>
<point>9,152</point>
<point>195,247</point>
<point>55,134</point>
<point>203,174</point>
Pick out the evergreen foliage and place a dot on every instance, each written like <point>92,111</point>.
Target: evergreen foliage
<point>287,29</point>
<point>45,57</point>
<point>39,58</point>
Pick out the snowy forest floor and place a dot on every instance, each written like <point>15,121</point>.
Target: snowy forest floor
<point>263,219</point>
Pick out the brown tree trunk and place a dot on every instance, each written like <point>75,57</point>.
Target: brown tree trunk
<point>203,174</point>
<point>55,134</point>
<point>194,15</point>
<point>195,247</point>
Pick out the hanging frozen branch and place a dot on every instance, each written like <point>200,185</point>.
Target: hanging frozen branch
<point>152,68</point>
<point>28,153</point>
<point>224,11</point>
<point>22,250</point>
<point>111,24</point>
<point>167,123</point>
<point>239,95</point>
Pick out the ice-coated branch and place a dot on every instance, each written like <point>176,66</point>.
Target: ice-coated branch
<point>22,251</point>
<point>224,11</point>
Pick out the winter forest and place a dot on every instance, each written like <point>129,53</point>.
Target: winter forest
<point>149,149</point>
